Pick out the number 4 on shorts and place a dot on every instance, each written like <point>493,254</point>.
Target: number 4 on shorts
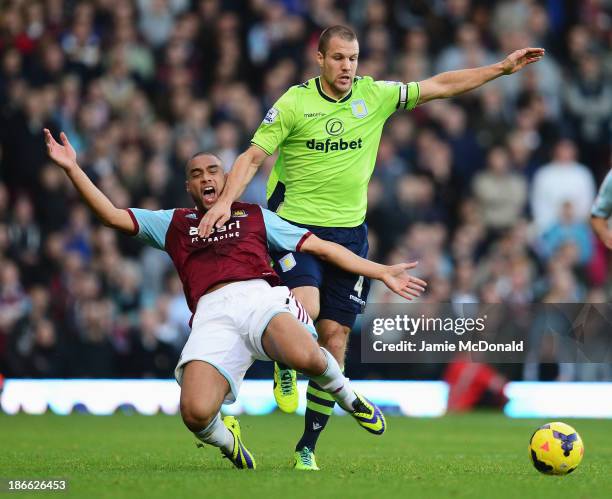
<point>359,286</point>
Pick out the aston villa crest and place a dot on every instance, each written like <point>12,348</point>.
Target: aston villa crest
<point>359,108</point>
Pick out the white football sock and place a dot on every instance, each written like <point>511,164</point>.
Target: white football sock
<point>335,383</point>
<point>217,434</point>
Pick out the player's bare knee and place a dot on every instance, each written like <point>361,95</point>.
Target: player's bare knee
<point>334,341</point>
<point>197,415</point>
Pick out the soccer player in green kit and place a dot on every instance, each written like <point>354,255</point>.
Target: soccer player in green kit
<point>327,131</point>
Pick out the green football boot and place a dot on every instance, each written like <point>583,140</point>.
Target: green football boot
<point>285,389</point>
<point>305,460</point>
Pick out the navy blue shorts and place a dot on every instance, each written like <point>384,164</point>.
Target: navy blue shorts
<point>343,295</point>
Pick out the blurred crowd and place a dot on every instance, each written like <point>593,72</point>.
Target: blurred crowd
<point>490,191</point>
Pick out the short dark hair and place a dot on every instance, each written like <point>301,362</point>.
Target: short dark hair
<point>198,154</point>
<point>340,31</point>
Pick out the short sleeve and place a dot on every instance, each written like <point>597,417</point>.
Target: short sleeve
<point>276,125</point>
<point>151,226</point>
<point>281,234</point>
<point>602,207</point>
<point>396,95</point>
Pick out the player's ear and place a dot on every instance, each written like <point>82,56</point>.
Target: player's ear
<point>320,58</point>
<point>187,185</point>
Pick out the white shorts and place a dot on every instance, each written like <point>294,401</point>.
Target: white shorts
<point>228,326</point>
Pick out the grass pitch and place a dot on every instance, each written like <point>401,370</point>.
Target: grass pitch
<point>476,455</point>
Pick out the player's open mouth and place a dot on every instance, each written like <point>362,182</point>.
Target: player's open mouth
<point>344,79</point>
<point>209,194</point>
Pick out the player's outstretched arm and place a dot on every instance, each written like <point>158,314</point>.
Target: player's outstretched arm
<point>64,156</point>
<point>395,277</point>
<point>242,172</point>
<point>453,83</point>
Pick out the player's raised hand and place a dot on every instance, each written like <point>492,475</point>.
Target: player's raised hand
<point>518,59</point>
<point>62,154</point>
<point>397,279</point>
<point>216,216</point>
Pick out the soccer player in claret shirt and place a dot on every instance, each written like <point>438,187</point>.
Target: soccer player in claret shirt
<point>239,312</point>
<point>327,132</point>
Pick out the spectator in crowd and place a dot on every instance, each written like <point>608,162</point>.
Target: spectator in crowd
<point>45,358</point>
<point>568,231</point>
<point>563,179</point>
<point>13,299</point>
<point>150,356</point>
<point>24,237</point>
<point>589,101</point>
<point>4,203</point>
<point>501,194</point>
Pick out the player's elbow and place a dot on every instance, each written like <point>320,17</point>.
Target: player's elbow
<point>442,92</point>
<point>316,247</point>
<point>325,254</point>
<point>430,89</point>
<point>111,221</point>
<point>254,156</point>
<point>119,220</point>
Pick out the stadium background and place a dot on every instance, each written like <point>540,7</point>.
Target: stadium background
<point>490,191</point>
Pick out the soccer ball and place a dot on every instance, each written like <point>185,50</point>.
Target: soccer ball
<point>556,449</point>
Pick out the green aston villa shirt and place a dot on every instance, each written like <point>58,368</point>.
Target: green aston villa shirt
<point>327,147</point>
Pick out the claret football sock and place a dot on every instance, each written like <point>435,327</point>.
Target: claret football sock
<point>335,383</point>
<point>217,435</point>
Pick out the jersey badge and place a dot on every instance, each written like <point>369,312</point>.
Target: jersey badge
<point>359,108</point>
<point>271,116</point>
<point>287,262</point>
